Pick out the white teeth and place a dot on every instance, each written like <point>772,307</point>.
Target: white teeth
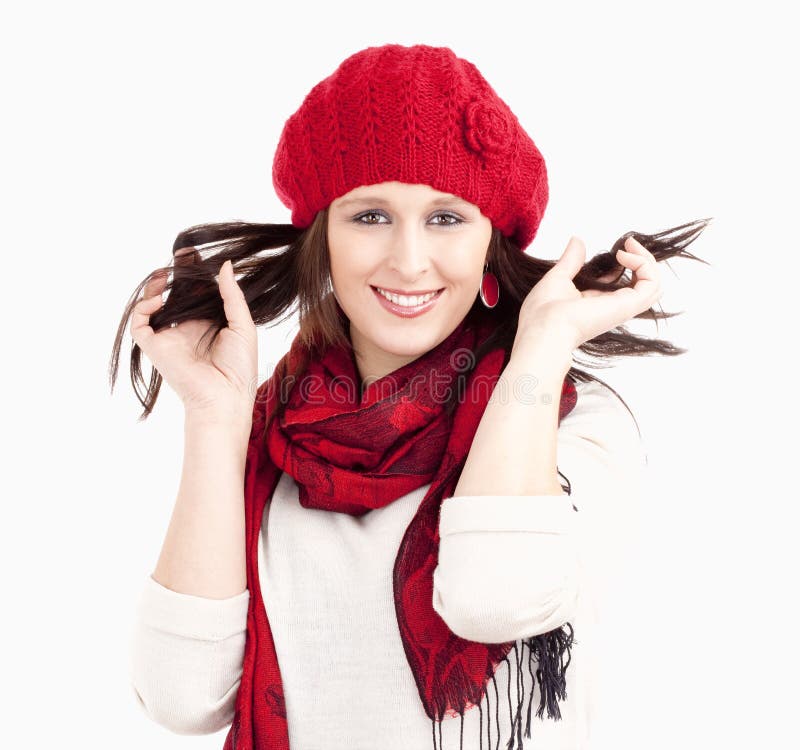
<point>405,301</point>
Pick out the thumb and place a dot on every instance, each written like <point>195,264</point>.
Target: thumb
<point>237,311</point>
<point>573,257</point>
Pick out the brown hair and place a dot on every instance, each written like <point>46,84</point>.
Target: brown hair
<point>299,273</point>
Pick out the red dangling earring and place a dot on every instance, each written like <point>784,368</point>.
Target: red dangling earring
<point>490,288</point>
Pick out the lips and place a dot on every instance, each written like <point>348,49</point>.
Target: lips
<point>406,312</point>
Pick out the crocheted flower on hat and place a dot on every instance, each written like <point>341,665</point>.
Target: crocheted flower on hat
<point>486,127</point>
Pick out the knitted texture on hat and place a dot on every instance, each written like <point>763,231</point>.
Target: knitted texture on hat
<point>418,115</point>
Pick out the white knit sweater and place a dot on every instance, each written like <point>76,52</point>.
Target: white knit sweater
<point>509,567</point>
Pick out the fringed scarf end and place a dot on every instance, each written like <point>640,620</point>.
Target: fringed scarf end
<point>549,650</point>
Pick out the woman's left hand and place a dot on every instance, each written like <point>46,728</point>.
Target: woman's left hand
<point>556,307</point>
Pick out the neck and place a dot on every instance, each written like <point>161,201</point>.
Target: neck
<point>373,365</point>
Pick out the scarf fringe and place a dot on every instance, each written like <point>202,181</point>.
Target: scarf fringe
<point>549,651</point>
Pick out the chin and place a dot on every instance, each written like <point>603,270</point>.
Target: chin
<point>402,342</point>
<point>407,344</point>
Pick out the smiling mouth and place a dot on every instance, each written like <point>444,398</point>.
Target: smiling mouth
<point>406,310</point>
<point>385,292</point>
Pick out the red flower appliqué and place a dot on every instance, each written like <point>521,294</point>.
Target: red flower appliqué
<point>406,413</point>
<point>486,127</point>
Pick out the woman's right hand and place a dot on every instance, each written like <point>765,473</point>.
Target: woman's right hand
<point>220,384</point>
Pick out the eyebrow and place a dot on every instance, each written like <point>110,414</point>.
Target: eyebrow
<point>376,200</point>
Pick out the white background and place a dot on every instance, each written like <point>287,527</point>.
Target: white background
<point>127,122</point>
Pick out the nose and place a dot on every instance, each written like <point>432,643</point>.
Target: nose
<point>409,256</point>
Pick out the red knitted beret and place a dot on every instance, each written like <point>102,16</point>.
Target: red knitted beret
<point>415,114</point>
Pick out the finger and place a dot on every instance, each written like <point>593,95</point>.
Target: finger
<point>632,244</point>
<point>150,302</point>
<point>641,261</point>
<point>237,311</point>
<point>140,319</point>
<point>572,259</point>
<point>609,309</point>
<point>155,284</point>
<point>646,274</point>
<point>637,248</point>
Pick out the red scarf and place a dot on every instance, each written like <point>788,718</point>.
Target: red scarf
<point>352,453</point>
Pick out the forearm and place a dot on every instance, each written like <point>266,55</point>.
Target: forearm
<point>203,553</point>
<point>514,448</point>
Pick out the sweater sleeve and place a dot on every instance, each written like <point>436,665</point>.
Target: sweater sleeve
<point>186,655</point>
<point>512,567</point>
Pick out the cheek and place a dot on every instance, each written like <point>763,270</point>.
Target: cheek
<point>466,270</point>
<point>348,267</point>
<point>346,272</point>
<point>465,257</point>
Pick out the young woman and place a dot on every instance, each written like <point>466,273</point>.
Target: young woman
<point>374,547</point>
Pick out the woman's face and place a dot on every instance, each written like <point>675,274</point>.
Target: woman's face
<point>406,238</point>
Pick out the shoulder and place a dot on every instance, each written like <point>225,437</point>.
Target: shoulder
<point>598,405</point>
<point>601,423</point>
<point>596,397</point>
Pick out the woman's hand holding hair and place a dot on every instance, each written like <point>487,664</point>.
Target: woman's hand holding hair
<point>556,311</point>
<point>219,385</point>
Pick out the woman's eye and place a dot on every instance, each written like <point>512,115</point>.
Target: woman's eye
<point>359,218</point>
<point>454,222</point>
<point>452,219</point>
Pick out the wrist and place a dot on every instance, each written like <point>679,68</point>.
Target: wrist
<point>543,352</point>
<point>235,420</point>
